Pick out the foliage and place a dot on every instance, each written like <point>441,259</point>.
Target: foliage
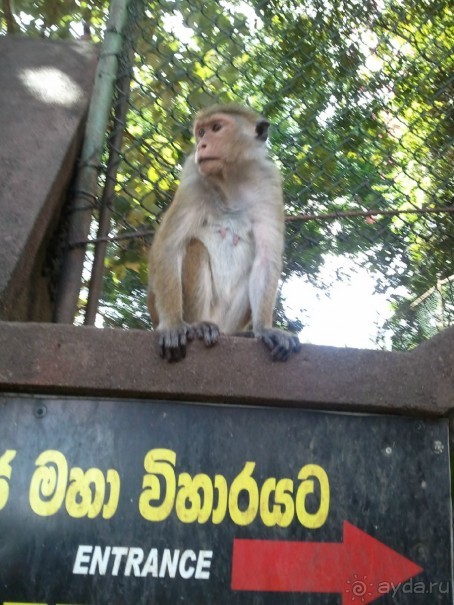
<point>51,19</point>
<point>360,95</point>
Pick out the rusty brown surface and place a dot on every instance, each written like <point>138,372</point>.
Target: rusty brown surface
<point>58,359</point>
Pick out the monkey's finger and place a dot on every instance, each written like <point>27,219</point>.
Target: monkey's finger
<point>297,346</point>
<point>279,343</point>
<point>280,353</point>
<point>286,345</point>
<point>172,353</point>
<point>268,341</point>
<point>278,350</point>
<point>208,332</point>
<point>179,353</point>
<point>211,335</point>
<point>162,346</point>
<point>172,345</point>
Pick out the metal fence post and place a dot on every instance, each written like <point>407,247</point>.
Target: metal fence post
<point>105,216</point>
<point>83,203</point>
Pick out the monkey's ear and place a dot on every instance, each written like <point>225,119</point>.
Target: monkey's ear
<point>261,129</point>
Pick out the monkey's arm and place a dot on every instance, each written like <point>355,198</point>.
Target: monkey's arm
<point>266,270</point>
<point>165,295</point>
<point>165,263</point>
<point>165,298</point>
<point>165,280</point>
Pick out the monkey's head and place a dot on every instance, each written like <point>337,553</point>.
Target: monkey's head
<point>227,135</point>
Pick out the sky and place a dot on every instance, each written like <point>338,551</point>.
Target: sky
<point>348,314</point>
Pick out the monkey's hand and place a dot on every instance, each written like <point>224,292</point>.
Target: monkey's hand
<point>208,332</point>
<point>173,341</point>
<point>280,343</point>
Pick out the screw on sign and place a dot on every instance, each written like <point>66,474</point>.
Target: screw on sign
<point>358,568</point>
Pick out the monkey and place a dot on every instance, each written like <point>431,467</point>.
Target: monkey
<point>216,258</point>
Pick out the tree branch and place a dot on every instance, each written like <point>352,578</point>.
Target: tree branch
<point>9,17</point>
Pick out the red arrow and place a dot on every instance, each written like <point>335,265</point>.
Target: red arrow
<point>360,568</point>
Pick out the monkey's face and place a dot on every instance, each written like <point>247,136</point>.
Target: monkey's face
<point>220,140</point>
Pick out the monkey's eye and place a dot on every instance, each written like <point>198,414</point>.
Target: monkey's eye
<point>201,132</point>
<point>216,127</point>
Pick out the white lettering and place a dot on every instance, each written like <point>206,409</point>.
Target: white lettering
<point>129,560</point>
<point>118,552</point>
<point>202,571</point>
<point>187,572</point>
<point>169,562</point>
<point>82,557</point>
<point>135,558</point>
<point>151,564</point>
<point>100,560</point>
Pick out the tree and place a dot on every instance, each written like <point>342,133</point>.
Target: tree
<point>360,99</point>
<point>50,19</point>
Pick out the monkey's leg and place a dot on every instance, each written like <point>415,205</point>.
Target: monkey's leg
<point>198,292</point>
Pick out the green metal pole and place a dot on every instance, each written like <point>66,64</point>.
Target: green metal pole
<point>86,186</point>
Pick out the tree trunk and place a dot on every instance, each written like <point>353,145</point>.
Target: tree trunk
<point>9,18</point>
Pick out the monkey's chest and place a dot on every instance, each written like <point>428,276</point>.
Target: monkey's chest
<point>230,247</point>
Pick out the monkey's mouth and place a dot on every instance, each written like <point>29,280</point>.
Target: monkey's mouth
<point>208,159</point>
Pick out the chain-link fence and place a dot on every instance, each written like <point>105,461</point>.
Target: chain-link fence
<point>360,98</point>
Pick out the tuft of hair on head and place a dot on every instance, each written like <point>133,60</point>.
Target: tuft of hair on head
<point>229,108</point>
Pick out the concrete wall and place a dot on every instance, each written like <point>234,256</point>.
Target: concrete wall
<point>45,90</point>
<point>59,359</point>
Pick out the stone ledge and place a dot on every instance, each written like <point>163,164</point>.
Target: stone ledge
<point>69,360</point>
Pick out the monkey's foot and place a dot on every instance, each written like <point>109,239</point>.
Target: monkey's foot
<point>281,344</point>
<point>208,332</point>
<point>173,341</point>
